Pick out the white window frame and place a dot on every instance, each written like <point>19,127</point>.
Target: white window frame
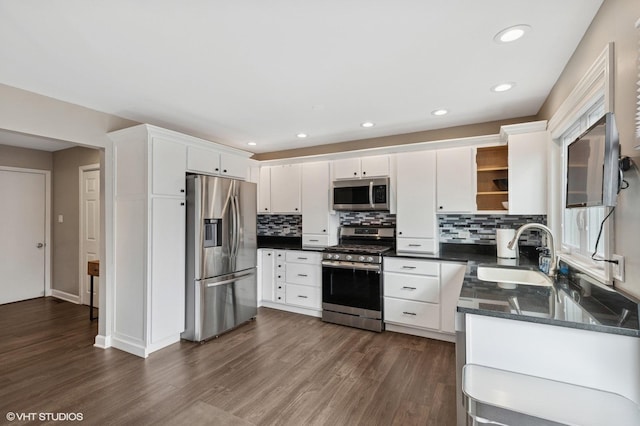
<point>593,95</point>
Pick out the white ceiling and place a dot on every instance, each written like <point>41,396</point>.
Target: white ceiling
<point>263,71</point>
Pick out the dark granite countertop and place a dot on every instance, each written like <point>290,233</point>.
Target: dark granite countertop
<point>284,243</point>
<point>575,302</point>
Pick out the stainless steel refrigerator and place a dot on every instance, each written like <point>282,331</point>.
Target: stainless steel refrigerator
<point>221,259</point>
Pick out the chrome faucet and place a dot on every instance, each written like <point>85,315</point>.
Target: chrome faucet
<point>552,251</point>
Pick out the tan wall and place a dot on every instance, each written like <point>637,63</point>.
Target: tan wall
<point>615,22</point>
<point>481,129</point>
<point>13,156</point>
<point>66,201</point>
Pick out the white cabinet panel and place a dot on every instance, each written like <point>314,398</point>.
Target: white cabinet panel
<point>267,271</point>
<point>169,162</point>
<point>167,268</point>
<point>528,173</point>
<point>317,222</point>
<point>234,166</point>
<point>410,313</point>
<point>298,256</point>
<point>264,190</point>
<point>455,183</point>
<point>365,167</point>
<point>299,273</point>
<point>451,279</point>
<point>305,296</point>
<point>411,266</point>
<point>375,166</point>
<point>285,189</point>
<point>412,287</point>
<point>416,199</point>
<point>347,168</point>
<point>202,160</point>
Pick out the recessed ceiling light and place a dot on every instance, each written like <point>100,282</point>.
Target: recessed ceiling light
<point>302,135</point>
<point>367,124</point>
<point>502,87</point>
<point>251,143</point>
<point>511,34</point>
<point>441,111</point>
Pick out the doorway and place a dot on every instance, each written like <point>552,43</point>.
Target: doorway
<point>89,229</point>
<point>24,250</point>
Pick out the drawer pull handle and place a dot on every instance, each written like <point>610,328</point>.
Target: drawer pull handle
<point>315,241</point>
<point>409,313</point>
<point>408,267</point>
<point>415,245</point>
<point>302,275</point>
<point>304,258</point>
<point>302,297</point>
<point>410,288</point>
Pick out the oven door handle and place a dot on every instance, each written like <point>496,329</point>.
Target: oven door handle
<point>348,265</point>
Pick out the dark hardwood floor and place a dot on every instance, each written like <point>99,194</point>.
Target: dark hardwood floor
<point>281,369</point>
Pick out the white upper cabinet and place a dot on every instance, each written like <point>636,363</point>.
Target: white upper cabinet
<point>365,167</point>
<point>528,144</point>
<point>416,221</point>
<point>285,189</point>
<point>455,182</point>
<point>264,190</point>
<point>319,227</point>
<point>203,160</point>
<point>168,166</point>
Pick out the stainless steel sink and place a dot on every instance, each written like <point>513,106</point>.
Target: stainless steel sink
<point>513,276</point>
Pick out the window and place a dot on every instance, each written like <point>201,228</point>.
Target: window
<point>580,226</point>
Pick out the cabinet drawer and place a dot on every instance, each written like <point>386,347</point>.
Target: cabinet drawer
<point>302,295</point>
<point>281,296</point>
<point>311,257</point>
<point>315,240</point>
<point>412,287</point>
<point>300,273</point>
<point>411,266</point>
<point>416,245</point>
<point>410,313</point>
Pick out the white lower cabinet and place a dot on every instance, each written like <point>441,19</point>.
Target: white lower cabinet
<point>266,277</point>
<point>297,278</point>
<point>420,296</point>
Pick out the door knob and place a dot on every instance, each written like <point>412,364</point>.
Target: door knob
<point>40,245</point>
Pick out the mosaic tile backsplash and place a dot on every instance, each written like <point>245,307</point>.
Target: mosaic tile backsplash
<point>367,218</point>
<point>280,225</point>
<point>481,229</point>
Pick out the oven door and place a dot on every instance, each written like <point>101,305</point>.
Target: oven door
<point>353,285</point>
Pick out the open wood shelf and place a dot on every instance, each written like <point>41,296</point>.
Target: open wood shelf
<point>492,163</point>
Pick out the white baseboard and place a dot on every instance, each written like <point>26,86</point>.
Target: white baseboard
<point>132,348</point>
<point>419,332</point>
<point>59,294</point>
<point>102,342</point>
<point>294,309</point>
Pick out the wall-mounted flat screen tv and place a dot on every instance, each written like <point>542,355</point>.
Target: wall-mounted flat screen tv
<point>592,166</point>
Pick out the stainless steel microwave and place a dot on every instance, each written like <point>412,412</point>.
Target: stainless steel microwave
<point>361,194</point>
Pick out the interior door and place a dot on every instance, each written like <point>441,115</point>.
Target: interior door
<point>22,235</point>
<point>89,231</point>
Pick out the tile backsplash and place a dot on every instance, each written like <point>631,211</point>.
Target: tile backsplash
<point>481,228</point>
<point>367,218</point>
<point>280,225</point>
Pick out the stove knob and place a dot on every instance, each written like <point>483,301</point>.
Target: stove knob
<point>361,258</point>
<point>327,256</point>
<point>336,256</point>
<point>349,257</point>
<point>369,259</point>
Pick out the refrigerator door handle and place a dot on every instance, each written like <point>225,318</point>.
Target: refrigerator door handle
<point>234,227</point>
<point>234,277</point>
<point>238,222</point>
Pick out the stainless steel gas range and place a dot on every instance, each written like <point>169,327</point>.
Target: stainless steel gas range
<point>352,277</point>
